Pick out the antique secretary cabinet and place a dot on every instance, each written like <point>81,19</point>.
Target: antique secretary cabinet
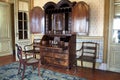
<point>58,45</point>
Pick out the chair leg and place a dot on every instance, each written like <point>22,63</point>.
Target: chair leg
<point>19,68</point>
<point>24,67</point>
<point>34,55</point>
<point>75,67</point>
<point>93,65</point>
<point>33,67</point>
<point>81,63</point>
<point>39,68</point>
<point>75,64</point>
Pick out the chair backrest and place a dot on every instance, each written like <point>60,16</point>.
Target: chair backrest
<point>36,44</point>
<point>19,52</point>
<point>36,41</point>
<point>89,49</point>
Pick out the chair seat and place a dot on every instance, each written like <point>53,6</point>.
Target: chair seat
<point>87,58</point>
<point>32,60</point>
<point>30,51</point>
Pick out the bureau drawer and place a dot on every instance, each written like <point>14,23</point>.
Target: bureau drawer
<point>61,62</point>
<point>62,56</point>
<point>49,54</point>
<point>49,60</point>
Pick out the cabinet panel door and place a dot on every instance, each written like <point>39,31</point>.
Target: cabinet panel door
<point>80,18</point>
<point>36,20</point>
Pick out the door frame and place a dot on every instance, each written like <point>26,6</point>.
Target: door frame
<point>113,48</point>
<point>22,43</point>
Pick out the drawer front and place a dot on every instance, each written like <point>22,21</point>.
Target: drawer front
<point>61,62</point>
<point>49,60</point>
<point>62,56</point>
<point>49,54</point>
<point>45,50</point>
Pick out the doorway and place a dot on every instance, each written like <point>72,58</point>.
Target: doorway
<point>114,37</point>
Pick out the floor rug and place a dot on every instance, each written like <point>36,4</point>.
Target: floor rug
<point>9,72</point>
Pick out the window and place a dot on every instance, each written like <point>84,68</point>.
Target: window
<point>23,17</point>
<point>23,25</point>
<point>116,30</point>
<point>116,25</point>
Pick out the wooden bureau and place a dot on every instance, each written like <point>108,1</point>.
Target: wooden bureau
<point>56,55</point>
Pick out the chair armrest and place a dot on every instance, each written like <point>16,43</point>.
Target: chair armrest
<point>27,46</point>
<point>30,52</point>
<point>79,49</point>
<point>78,54</point>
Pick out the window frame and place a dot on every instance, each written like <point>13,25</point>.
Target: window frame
<point>23,33</point>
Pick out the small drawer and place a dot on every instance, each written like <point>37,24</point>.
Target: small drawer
<point>49,60</point>
<point>42,49</point>
<point>61,62</point>
<point>49,54</point>
<point>62,56</point>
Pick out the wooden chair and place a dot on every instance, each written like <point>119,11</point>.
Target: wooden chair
<point>88,53</point>
<point>33,48</point>
<point>27,61</point>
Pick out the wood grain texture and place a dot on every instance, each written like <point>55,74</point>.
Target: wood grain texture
<point>87,73</point>
<point>80,18</point>
<point>36,20</point>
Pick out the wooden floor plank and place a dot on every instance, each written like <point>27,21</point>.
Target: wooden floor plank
<point>87,73</point>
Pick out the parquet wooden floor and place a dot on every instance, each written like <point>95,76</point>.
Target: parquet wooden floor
<point>87,73</point>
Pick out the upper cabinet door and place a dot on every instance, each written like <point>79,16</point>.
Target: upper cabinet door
<point>80,18</point>
<point>37,20</point>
